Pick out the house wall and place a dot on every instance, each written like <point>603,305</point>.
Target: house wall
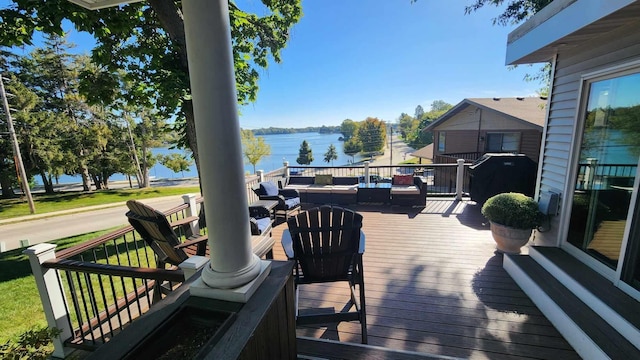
<point>463,136</point>
<point>563,124</point>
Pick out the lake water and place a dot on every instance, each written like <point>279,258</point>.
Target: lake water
<point>284,147</point>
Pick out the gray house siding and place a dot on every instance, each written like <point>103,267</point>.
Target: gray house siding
<point>615,48</point>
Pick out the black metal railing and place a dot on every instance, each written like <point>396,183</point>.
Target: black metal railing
<point>109,281</point>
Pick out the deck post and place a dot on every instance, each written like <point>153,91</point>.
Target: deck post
<point>51,295</point>
<point>367,179</point>
<point>260,174</point>
<point>192,210</point>
<point>287,172</point>
<point>460,179</point>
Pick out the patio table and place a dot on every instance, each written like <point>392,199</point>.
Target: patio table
<point>374,193</point>
<point>267,204</point>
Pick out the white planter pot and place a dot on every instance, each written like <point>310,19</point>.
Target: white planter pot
<point>509,240</point>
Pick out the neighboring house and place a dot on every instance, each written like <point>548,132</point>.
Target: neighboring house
<point>424,154</point>
<point>488,125</point>
<point>590,152</point>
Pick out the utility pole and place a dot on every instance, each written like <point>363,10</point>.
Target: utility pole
<point>16,148</point>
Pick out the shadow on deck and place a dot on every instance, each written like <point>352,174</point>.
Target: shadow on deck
<point>434,284</point>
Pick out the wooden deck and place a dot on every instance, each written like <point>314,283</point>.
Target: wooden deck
<point>434,284</point>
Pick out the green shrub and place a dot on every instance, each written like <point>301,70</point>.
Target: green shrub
<point>512,209</point>
<point>34,344</point>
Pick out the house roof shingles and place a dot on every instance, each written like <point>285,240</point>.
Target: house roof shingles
<point>527,109</point>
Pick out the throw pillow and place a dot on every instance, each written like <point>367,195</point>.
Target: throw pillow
<point>402,179</point>
<point>268,188</point>
<point>324,179</point>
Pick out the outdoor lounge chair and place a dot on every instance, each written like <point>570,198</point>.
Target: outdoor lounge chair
<point>156,230</point>
<point>327,245</point>
<point>288,199</point>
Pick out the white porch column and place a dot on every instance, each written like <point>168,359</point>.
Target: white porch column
<point>459,179</point>
<point>213,89</point>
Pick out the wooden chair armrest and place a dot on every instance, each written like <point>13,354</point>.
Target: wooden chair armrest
<point>193,241</point>
<point>184,221</point>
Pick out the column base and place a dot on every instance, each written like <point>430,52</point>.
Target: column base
<point>240,294</point>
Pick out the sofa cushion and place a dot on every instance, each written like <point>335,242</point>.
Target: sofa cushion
<point>402,179</point>
<point>325,179</point>
<point>268,188</point>
<point>292,203</point>
<point>259,226</point>
<point>405,190</point>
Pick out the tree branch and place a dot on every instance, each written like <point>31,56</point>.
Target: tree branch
<point>172,21</point>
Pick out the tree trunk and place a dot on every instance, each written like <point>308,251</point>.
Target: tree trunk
<point>187,110</point>
<point>86,182</point>
<point>97,182</point>
<point>46,181</point>
<point>7,187</point>
<point>144,167</point>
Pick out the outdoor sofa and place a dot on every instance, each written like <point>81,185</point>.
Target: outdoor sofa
<point>325,189</point>
<point>408,190</point>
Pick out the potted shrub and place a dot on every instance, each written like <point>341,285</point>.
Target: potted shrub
<point>512,217</point>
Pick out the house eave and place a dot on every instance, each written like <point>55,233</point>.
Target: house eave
<point>564,24</point>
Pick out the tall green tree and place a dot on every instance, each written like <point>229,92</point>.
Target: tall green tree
<point>352,147</point>
<point>348,129</point>
<point>176,162</point>
<point>254,148</point>
<point>405,124</point>
<point>372,134</point>
<point>147,41</point>
<point>305,155</point>
<point>331,154</point>
<point>419,113</point>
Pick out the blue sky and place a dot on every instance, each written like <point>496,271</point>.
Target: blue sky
<point>379,58</point>
<point>353,59</point>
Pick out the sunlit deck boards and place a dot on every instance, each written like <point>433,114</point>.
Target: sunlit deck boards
<point>435,285</point>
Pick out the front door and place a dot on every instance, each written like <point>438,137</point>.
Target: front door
<point>604,214</point>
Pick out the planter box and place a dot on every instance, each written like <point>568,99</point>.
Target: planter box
<point>223,329</point>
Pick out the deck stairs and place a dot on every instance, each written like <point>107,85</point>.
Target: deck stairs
<point>598,319</point>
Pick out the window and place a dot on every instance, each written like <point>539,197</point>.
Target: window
<point>441,141</point>
<point>503,142</point>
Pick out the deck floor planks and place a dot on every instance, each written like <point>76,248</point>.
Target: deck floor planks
<point>434,284</point>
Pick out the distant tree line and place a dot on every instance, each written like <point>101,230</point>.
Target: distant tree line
<point>276,130</point>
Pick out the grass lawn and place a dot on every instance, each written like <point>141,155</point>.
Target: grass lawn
<point>20,305</point>
<point>73,200</point>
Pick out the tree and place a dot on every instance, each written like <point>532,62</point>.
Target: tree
<point>146,40</point>
<point>305,156</point>
<point>352,147</point>
<point>405,123</point>
<point>372,134</point>
<point>419,113</point>
<point>515,12</point>
<point>176,162</point>
<point>254,148</point>
<point>348,129</point>
<point>331,154</point>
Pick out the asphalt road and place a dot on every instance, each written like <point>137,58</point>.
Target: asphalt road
<point>49,228</point>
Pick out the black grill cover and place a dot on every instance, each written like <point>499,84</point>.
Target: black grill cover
<point>496,173</point>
